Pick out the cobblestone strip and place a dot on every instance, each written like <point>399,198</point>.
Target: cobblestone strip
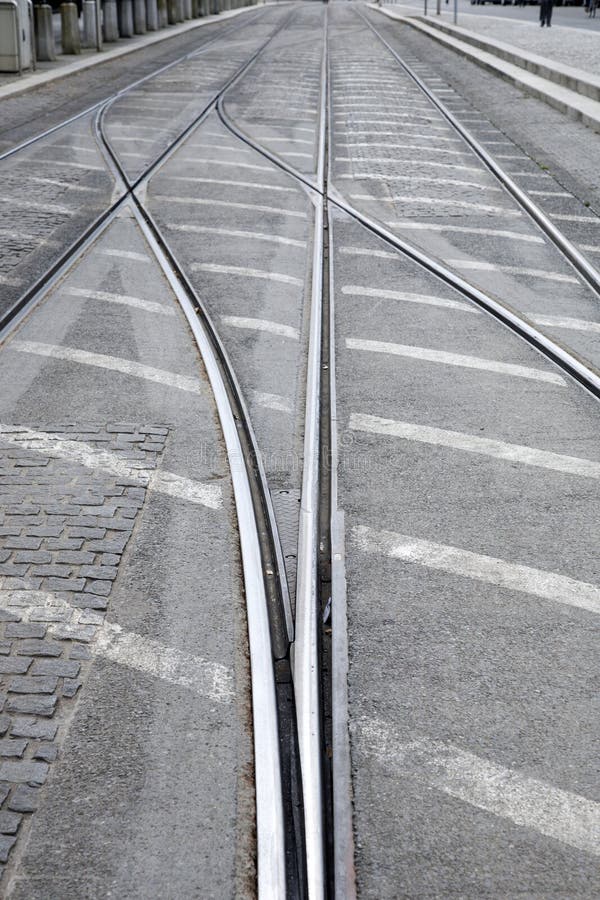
<point>63,530</point>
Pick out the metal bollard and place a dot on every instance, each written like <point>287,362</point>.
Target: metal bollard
<point>139,16</point>
<point>125,8</point>
<point>88,10</point>
<point>110,21</point>
<point>44,34</point>
<point>163,15</point>
<point>151,15</point>
<point>69,28</point>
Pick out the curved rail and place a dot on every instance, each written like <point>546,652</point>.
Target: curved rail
<point>579,262</point>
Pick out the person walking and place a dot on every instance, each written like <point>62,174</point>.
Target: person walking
<point>546,12</point>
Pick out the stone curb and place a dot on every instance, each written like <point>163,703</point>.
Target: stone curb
<point>574,104</point>
<point>40,79</point>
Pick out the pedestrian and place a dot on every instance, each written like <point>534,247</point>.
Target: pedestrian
<point>546,12</point>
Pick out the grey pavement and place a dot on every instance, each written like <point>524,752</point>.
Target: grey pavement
<point>459,682</point>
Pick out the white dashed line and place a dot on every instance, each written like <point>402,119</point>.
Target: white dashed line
<point>126,254</point>
<point>464,563</point>
<point>354,290</point>
<point>206,202</point>
<point>454,359</point>
<point>229,183</point>
<point>566,817</point>
<point>566,322</point>
<point>123,299</point>
<point>273,401</point>
<point>277,328</point>
<point>474,265</point>
<point>490,232</point>
<point>226,162</point>
<point>457,440</point>
<point>232,232</point>
<point>113,363</point>
<point>247,273</point>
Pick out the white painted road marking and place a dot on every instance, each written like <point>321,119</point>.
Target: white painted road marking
<point>530,456</point>
<point>273,401</point>
<point>435,201</point>
<point>464,563</point>
<point>566,322</point>
<point>204,201</point>
<point>262,325</point>
<point>227,162</point>
<point>126,254</point>
<point>490,232</point>
<point>247,273</point>
<point>233,232</point>
<point>114,363</point>
<point>354,290</point>
<point>454,359</point>
<point>475,265</point>
<point>123,299</point>
<point>229,183</point>
<point>158,480</point>
<point>110,641</point>
<point>506,793</point>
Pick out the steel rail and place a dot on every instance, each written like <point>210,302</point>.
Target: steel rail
<point>43,134</point>
<point>27,299</point>
<point>579,262</point>
<point>271,858</point>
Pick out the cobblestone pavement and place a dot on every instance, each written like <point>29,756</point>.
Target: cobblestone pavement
<point>63,530</point>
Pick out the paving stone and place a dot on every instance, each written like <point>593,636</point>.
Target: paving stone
<point>6,616</point>
<point>99,587</point>
<point>25,684</point>
<point>39,648</point>
<point>8,747</point>
<point>47,752</point>
<point>35,705</point>
<point>25,630</point>
<point>89,617</point>
<point>85,633</point>
<point>5,723</point>
<point>9,822</point>
<point>62,509</point>
<point>75,557</point>
<point>4,792</point>
<point>33,556</point>
<point>9,569</point>
<point>14,665</point>
<point>7,842</point>
<point>22,584</point>
<point>27,727</point>
<point>102,572</point>
<point>24,772</point>
<point>70,687</point>
<point>54,570</point>
<point>63,584</point>
<point>24,799</point>
<point>80,651</point>
<point>110,559</point>
<point>88,601</point>
<point>86,531</point>
<point>44,531</point>
<point>23,543</point>
<point>112,545</point>
<point>4,555</point>
<point>65,668</point>
<point>9,530</point>
<point>5,647</point>
<point>64,544</point>
<point>49,614</point>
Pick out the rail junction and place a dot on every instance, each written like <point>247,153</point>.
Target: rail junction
<point>299,465</point>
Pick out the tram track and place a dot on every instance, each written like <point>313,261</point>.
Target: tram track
<point>321,541</point>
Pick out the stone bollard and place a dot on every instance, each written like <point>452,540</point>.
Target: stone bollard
<point>125,8</point>
<point>180,10</point>
<point>172,11</point>
<point>163,15</point>
<point>187,9</point>
<point>151,15</point>
<point>44,34</point>
<point>88,9</point>
<point>139,16</point>
<point>196,13</point>
<point>69,28</point>
<point>110,21</point>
